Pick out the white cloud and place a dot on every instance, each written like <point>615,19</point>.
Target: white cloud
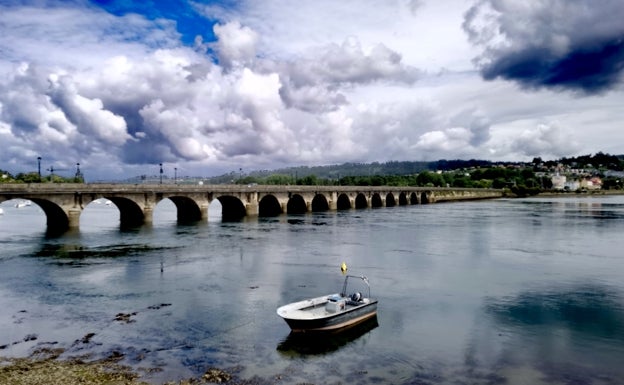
<point>449,140</point>
<point>87,115</point>
<point>178,126</point>
<point>428,34</point>
<point>548,140</point>
<point>236,45</point>
<point>72,36</point>
<point>322,82</point>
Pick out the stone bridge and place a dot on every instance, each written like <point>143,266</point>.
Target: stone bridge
<point>63,203</point>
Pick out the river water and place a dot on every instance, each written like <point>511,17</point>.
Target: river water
<point>526,291</point>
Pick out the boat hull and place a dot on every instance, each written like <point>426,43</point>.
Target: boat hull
<point>340,320</point>
<point>310,343</point>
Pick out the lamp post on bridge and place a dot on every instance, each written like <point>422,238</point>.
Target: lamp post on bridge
<point>175,175</point>
<point>39,167</point>
<point>51,169</point>
<point>161,172</point>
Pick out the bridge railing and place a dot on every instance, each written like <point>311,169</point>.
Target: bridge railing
<point>219,188</point>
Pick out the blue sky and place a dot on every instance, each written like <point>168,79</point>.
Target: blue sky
<point>188,22</point>
<point>211,87</point>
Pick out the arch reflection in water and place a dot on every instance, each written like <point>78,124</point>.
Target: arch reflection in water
<point>324,342</point>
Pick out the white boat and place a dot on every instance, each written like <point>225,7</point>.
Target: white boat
<point>1,211</point>
<point>21,204</point>
<point>310,343</point>
<point>330,312</point>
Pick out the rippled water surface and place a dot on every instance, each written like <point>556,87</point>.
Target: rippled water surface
<point>507,291</point>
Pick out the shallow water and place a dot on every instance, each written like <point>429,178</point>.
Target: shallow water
<point>505,291</point>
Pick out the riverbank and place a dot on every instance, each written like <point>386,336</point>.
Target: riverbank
<point>565,194</point>
<point>44,366</point>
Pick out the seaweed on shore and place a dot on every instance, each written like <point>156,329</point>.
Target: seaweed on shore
<point>43,366</point>
<point>46,366</point>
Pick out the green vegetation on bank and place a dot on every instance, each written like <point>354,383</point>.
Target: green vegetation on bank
<point>33,177</point>
<point>521,178</point>
<point>521,181</point>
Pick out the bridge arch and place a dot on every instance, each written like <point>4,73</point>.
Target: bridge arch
<point>57,221</point>
<point>414,198</point>
<point>424,197</point>
<point>343,202</point>
<point>130,213</point>
<point>402,199</point>
<point>390,201</point>
<point>188,210</point>
<point>233,208</point>
<point>376,200</point>
<point>319,203</point>
<point>360,201</point>
<point>269,206</point>
<point>296,205</point>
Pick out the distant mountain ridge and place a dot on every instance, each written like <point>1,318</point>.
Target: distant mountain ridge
<point>337,171</point>
<point>610,162</point>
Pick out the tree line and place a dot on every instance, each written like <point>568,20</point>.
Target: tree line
<point>521,178</point>
<point>520,181</point>
<point>33,177</point>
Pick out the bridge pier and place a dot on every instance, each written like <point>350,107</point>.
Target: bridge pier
<point>251,210</point>
<point>148,215</point>
<point>73,218</point>
<point>203,209</point>
<point>333,201</point>
<point>252,205</point>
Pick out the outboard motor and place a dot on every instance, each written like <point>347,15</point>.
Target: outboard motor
<point>356,297</point>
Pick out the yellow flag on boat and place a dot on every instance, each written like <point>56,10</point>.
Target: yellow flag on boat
<point>343,268</point>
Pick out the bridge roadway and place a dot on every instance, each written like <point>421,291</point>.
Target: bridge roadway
<point>63,203</point>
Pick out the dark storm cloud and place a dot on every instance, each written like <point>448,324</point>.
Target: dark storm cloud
<point>575,45</point>
<point>592,68</point>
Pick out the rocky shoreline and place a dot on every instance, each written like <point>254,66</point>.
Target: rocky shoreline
<point>48,363</point>
<point>44,366</point>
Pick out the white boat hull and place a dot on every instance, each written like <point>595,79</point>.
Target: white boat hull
<point>322,314</point>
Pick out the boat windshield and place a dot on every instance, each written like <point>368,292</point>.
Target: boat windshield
<point>343,293</point>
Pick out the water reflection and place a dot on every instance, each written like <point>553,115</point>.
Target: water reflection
<point>79,251</point>
<point>569,334</point>
<point>571,209</point>
<point>322,343</point>
<point>592,310</point>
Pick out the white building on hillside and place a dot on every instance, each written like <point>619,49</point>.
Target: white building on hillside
<point>572,185</point>
<point>558,181</point>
